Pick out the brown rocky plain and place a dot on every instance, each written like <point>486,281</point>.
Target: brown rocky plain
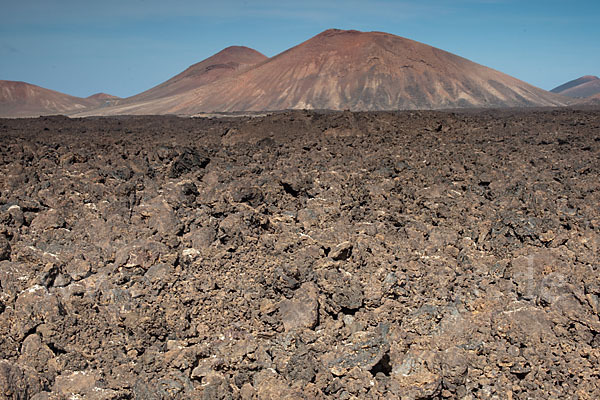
<point>417,255</point>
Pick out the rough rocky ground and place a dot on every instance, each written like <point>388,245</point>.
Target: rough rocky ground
<point>417,255</point>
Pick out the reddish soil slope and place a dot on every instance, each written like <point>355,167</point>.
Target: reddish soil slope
<point>334,70</point>
<point>20,99</point>
<point>102,96</point>
<point>586,86</point>
<point>358,71</point>
<point>227,62</point>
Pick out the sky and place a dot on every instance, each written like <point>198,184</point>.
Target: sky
<point>123,47</point>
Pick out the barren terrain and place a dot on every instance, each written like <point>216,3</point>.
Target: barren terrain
<point>420,255</point>
<point>585,87</point>
<point>337,70</point>
<point>334,70</point>
<point>21,99</point>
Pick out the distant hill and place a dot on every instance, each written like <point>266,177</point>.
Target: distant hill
<point>102,97</point>
<point>225,63</point>
<point>586,86</point>
<point>345,70</point>
<point>335,70</point>
<point>20,99</point>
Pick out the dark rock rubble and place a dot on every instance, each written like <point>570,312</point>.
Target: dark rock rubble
<point>417,255</point>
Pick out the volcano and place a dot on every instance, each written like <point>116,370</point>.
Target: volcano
<point>227,62</point>
<point>340,70</point>
<point>335,70</point>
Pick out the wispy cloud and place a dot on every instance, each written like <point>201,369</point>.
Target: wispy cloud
<point>7,48</point>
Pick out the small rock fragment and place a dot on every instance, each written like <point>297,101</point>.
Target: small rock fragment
<point>341,252</point>
<point>4,248</point>
<point>17,382</point>
<point>302,311</point>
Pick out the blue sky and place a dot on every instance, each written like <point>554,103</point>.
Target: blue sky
<point>123,47</point>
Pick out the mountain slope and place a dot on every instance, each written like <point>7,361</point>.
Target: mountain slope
<point>227,62</point>
<point>358,71</point>
<point>586,86</point>
<point>102,97</point>
<point>21,99</point>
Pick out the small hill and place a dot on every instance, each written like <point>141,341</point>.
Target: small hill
<point>21,99</point>
<point>102,96</point>
<point>586,86</point>
<point>225,63</point>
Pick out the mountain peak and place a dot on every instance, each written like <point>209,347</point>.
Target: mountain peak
<point>335,31</point>
<point>342,69</point>
<point>336,69</point>
<point>238,51</point>
<point>227,62</point>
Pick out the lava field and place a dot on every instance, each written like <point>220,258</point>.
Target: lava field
<point>301,255</point>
